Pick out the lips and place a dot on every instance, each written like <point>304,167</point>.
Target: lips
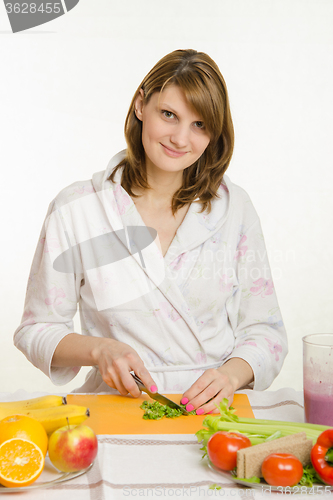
<point>172,152</point>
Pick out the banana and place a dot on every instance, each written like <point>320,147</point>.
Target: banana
<point>17,407</point>
<point>53,418</point>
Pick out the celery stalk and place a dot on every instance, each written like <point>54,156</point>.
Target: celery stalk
<point>264,429</point>
<point>280,423</point>
<point>257,430</point>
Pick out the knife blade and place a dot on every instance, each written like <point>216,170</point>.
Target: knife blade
<point>158,397</point>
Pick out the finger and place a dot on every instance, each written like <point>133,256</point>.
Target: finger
<point>146,378</point>
<point>109,380</point>
<point>129,384</point>
<point>198,387</point>
<point>213,405</point>
<point>208,393</point>
<point>207,399</point>
<point>122,378</point>
<point>116,381</point>
<point>219,388</point>
<point>109,370</point>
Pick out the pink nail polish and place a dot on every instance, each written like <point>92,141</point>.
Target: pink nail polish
<point>189,407</point>
<point>153,388</point>
<point>200,411</point>
<point>210,412</point>
<point>184,401</point>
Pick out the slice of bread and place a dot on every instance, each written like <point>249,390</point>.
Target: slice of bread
<point>249,460</point>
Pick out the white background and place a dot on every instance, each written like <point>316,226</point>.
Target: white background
<point>65,89</point>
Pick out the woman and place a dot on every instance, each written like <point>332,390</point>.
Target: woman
<point>164,255</point>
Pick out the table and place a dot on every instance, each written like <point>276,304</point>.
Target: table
<point>161,466</point>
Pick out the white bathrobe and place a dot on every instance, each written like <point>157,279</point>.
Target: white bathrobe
<point>209,299</point>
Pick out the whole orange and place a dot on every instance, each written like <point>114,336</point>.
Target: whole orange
<point>21,426</point>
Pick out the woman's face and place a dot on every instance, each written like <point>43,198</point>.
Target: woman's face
<point>173,134</point>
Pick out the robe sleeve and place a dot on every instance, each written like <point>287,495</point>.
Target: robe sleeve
<point>254,314</point>
<point>51,301</point>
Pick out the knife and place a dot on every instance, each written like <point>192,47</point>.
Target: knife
<point>158,397</point>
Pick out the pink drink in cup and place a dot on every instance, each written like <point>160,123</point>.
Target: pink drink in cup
<point>318,378</point>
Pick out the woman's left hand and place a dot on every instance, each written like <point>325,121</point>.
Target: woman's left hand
<point>215,384</point>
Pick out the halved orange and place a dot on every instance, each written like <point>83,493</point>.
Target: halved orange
<point>21,462</point>
<point>24,427</point>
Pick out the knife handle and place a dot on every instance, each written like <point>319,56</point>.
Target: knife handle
<point>140,384</point>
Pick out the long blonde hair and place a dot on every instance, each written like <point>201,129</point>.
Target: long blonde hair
<point>205,90</point>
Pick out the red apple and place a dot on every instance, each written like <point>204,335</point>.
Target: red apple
<point>72,448</point>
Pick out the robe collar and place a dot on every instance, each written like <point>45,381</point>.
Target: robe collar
<point>196,227</point>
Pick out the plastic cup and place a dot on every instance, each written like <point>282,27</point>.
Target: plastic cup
<point>318,378</point>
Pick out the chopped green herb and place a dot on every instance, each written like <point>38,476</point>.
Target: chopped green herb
<point>156,411</point>
<point>215,487</point>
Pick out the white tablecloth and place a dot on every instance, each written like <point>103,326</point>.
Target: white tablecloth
<point>161,466</point>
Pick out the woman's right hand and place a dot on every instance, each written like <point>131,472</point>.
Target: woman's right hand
<point>115,361</point>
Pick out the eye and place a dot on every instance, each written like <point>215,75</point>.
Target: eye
<point>167,114</point>
<point>200,125</point>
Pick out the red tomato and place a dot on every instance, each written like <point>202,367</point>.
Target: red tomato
<point>222,448</point>
<point>282,469</point>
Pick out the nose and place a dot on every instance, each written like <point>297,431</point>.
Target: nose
<point>180,136</point>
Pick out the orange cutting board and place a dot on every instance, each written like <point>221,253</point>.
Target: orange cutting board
<point>113,414</point>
